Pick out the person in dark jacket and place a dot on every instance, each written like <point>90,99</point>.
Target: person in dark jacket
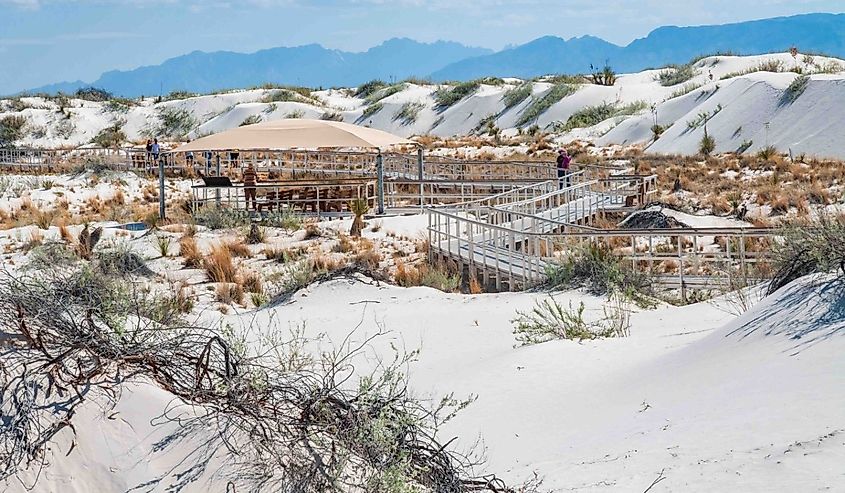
<point>563,162</point>
<point>250,179</point>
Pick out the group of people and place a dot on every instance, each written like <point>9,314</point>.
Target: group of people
<point>153,150</point>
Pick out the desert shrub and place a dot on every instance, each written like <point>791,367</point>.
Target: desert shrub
<point>119,105</point>
<point>229,293</point>
<point>440,276</point>
<point>252,283</point>
<point>368,88</point>
<point>765,66</point>
<point>283,219</point>
<point>295,114</point>
<point>371,110</point>
<point>122,261</point>
<point>657,131</point>
<point>111,136</point>
<point>541,103</point>
<point>311,410</point>
<point>744,146</point>
<point>795,90</point>
<point>448,96</point>
<point>312,230</point>
<point>767,153</point>
<point>808,248</point>
<point>94,94</point>
<point>674,75</point>
<point>11,129</point>
<point>684,90</point>
<point>334,116</point>
<point>707,144</point>
<point>605,76</point>
<point>517,94</point>
<point>597,269</point>
<point>383,93</point>
<point>289,94</point>
<point>549,320</point>
<point>51,255</point>
<point>250,120</point>
<point>163,244</point>
<point>408,112</point>
<point>174,122</point>
<point>221,217</point>
<point>177,95</point>
<point>256,234</point>
<point>593,115</point>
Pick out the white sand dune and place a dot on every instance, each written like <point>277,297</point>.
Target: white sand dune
<point>750,105</point>
<point>715,402</point>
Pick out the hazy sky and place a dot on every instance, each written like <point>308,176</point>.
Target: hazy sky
<point>45,41</point>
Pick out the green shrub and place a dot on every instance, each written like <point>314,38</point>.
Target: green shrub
<point>707,144</point>
<point>767,153</point>
<point>174,122</point>
<point>250,120</point>
<point>221,217</point>
<point>283,219</point>
<point>808,248</point>
<point>11,129</point>
<point>93,94</point>
<point>371,110</point>
<point>593,115</point>
<point>369,88</point>
<point>540,104</point>
<point>446,97</point>
<point>676,74</point>
<point>795,90</point>
<point>384,93</point>
<point>408,112</point>
<point>605,76</point>
<point>517,94</point>
<point>110,137</point>
<point>597,269</point>
<point>549,320</point>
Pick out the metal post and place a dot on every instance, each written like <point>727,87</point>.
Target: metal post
<point>217,190</point>
<point>161,212</point>
<point>380,176</point>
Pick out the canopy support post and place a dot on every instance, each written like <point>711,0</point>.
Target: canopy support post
<point>380,176</point>
<point>161,211</point>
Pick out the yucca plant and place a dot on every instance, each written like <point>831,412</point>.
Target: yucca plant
<point>359,207</point>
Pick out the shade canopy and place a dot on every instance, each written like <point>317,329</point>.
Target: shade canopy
<point>295,134</point>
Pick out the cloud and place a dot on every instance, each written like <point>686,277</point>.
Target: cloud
<point>52,40</point>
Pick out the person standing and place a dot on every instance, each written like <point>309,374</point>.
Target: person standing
<point>250,179</point>
<point>563,162</point>
<point>149,149</point>
<point>156,151</point>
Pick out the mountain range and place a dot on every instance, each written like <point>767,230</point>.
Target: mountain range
<point>315,66</point>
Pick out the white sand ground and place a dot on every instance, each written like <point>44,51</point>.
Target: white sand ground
<point>751,110</point>
<point>715,402</point>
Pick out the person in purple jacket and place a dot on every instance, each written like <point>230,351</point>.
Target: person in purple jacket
<point>563,162</point>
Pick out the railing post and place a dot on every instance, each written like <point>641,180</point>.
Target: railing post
<point>420,174</point>
<point>380,177</point>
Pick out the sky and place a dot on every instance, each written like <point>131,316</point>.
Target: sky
<point>47,41</point>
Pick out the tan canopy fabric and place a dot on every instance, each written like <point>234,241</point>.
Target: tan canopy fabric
<point>295,134</point>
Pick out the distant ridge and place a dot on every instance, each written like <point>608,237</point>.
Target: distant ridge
<point>665,45</point>
<point>316,66</point>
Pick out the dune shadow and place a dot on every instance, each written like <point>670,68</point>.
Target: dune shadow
<point>807,314</point>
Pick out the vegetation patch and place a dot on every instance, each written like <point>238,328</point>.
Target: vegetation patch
<point>517,94</point>
<point>593,115</point>
<point>446,97</point>
<point>676,74</point>
<point>540,104</point>
<point>408,112</point>
<point>795,90</point>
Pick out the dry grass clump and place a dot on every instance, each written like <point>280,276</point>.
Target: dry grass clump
<point>344,244</point>
<point>229,293</point>
<point>190,252</point>
<point>320,262</point>
<point>442,276</point>
<point>252,283</point>
<point>239,249</point>
<point>367,258</point>
<point>65,235</point>
<point>283,255</point>
<point>312,231</point>
<point>219,266</point>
